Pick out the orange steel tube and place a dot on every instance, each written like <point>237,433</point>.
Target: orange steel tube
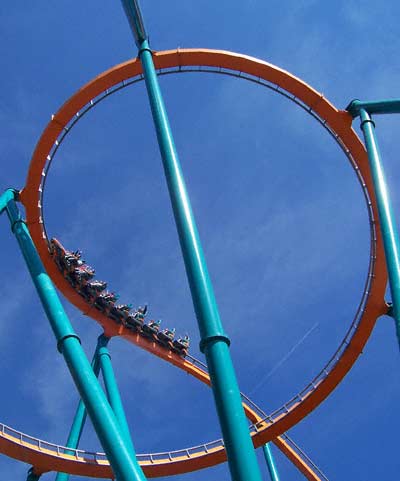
<point>338,121</point>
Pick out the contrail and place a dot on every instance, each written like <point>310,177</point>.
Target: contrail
<point>285,358</point>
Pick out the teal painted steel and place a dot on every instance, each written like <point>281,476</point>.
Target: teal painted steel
<point>5,197</point>
<point>273,471</point>
<point>196,269</point>
<point>125,466</point>
<point>386,216</point>
<point>134,16</point>
<point>242,461</point>
<point>214,342</point>
<point>74,435</point>
<point>390,106</point>
<point>31,476</point>
<point>78,423</point>
<point>112,390</point>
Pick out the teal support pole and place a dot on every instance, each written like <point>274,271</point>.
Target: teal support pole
<point>32,476</point>
<point>386,217</point>
<point>78,423</point>
<point>273,472</point>
<point>391,106</point>
<point>6,197</point>
<point>214,342</point>
<point>125,466</point>
<point>112,390</point>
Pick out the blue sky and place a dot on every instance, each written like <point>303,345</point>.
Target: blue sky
<point>279,210</point>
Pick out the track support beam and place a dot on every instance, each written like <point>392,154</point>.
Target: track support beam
<point>214,342</point>
<point>269,459</point>
<point>78,423</point>
<point>112,390</point>
<point>386,216</point>
<point>32,476</point>
<point>391,106</point>
<point>125,466</point>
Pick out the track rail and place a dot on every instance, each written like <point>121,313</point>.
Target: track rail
<point>47,456</point>
<point>265,427</point>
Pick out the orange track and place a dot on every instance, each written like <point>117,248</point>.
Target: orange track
<point>338,121</point>
<point>48,458</point>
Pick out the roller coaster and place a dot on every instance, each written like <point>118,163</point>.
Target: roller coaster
<point>51,263</point>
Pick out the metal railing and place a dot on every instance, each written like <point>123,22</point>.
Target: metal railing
<point>41,445</point>
<point>153,458</point>
<point>309,388</point>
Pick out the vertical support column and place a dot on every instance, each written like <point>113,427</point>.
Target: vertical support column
<point>386,217</point>
<point>31,476</point>
<point>6,197</point>
<point>214,342</point>
<point>273,472</point>
<point>78,423</point>
<point>112,389</point>
<point>125,466</point>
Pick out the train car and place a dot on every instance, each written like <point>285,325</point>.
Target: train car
<point>66,260</point>
<point>181,346</point>
<point>151,329</point>
<point>105,301</point>
<point>120,313</point>
<point>92,289</point>
<point>166,337</point>
<point>135,321</point>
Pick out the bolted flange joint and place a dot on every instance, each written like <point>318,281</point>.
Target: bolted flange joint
<point>212,339</point>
